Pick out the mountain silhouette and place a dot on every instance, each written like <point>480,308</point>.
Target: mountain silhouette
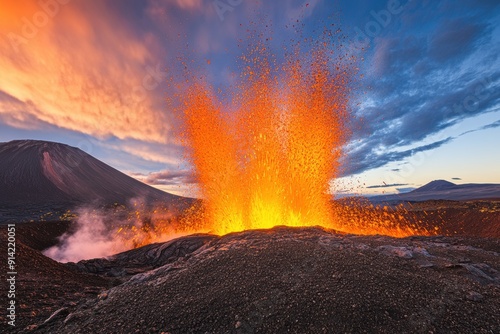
<point>33,171</point>
<point>436,185</point>
<point>444,190</point>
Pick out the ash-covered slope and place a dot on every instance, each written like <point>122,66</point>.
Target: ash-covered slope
<point>444,190</point>
<point>296,280</point>
<point>43,286</point>
<point>33,171</point>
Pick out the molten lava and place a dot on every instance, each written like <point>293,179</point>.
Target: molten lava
<point>268,158</point>
<point>270,161</point>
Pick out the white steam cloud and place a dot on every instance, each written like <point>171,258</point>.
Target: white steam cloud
<point>100,233</point>
<point>92,239</point>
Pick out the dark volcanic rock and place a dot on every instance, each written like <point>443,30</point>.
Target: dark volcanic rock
<point>43,172</point>
<point>42,235</point>
<point>301,280</point>
<point>143,259</point>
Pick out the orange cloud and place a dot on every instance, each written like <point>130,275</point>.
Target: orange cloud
<point>80,71</point>
<point>178,182</point>
<point>11,14</point>
<point>168,154</point>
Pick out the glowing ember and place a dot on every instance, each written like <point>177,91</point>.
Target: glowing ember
<point>269,160</point>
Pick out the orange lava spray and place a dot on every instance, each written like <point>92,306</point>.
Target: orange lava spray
<point>269,157</point>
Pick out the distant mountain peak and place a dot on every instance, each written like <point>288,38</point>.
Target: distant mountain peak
<point>441,182</point>
<point>436,185</point>
<point>445,190</point>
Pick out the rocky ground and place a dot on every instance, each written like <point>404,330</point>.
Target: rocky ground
<point>43,286</point>
<point>284,280</point>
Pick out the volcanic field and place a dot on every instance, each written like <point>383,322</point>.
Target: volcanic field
<point>283,280</point>
<point>279,280</point>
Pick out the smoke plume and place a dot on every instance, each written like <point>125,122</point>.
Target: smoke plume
<point>100,232</point>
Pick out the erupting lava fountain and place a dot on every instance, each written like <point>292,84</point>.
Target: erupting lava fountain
<point>268,158</point>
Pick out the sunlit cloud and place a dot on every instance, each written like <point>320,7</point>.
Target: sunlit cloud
<point>80,71</point>
<point>12,113</point>
<point>166,177</point>
<point>101,70</point>
<point>179,182</point>
<point>167,154</point>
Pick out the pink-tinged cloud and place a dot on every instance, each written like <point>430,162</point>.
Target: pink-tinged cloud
<point>171,154</point>
<point>80,71</point>
<point>167,177</point>
<point>178,182</point>
<point>13,113</point>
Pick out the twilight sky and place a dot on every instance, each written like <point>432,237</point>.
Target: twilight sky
<point>92,74</point>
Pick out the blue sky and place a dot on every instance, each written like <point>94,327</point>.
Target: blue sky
<point>93,75</point>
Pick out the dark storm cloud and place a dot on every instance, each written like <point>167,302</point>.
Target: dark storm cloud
<point>387,185</point>
<point>493,125</point>
<point>454,39</point>
<point>433,67</point>
<point>367,156</point>
<point>166,177</point>
<point>447,107</point>
<point>405,190</point>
